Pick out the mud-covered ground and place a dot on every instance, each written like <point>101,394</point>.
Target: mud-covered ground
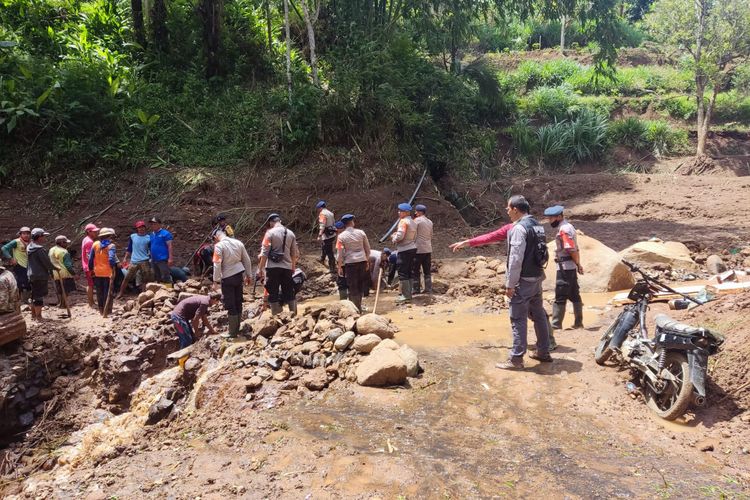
<point>463,429</point>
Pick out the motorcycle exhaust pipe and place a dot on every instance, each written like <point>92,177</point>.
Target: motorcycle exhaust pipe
<point>699,400</point>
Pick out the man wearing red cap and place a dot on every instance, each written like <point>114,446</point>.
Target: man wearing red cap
<point>92,234</point>
<point>139,253</point>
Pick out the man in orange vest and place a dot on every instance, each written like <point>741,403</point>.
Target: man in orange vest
<point>103,261</point>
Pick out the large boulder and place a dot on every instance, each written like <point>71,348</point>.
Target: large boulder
<point>364,344</point>
<point>715,264</point>
<point>342,343</point>
<point>409,356</point>
<point>379,325</point>
<point>381,368</point>
<point>602,266</point>
<point>657,252</point>
<point>452,268</point>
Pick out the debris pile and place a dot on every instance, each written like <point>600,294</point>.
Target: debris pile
<point>323,344</point>
<point>475,277</point>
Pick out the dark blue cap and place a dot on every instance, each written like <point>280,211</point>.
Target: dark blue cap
<point>347,218</point>
<point>554,211</point>
<point>404,207</point>
<point>387,250</point>
<point>274,217</point>
<point>320,204</point>
<point>420,208</point>
<point>339,225</point>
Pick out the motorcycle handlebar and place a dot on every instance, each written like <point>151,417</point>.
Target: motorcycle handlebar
<point>631,266</point>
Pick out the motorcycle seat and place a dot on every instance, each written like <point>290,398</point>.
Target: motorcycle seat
<point>666,323</point>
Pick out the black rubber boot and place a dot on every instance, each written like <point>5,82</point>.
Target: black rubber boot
<point>276,308</point>
<point>578,314</point>
<point>428,284</point>
<point>558,314</point>
<point>234,327</point>
<point>292,305</point>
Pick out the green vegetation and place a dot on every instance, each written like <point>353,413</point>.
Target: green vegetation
<point>97,87</point>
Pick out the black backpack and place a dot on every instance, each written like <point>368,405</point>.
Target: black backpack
<point>536,242</point>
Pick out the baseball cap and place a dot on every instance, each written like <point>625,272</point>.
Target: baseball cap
<point>139,223</point>
<point>155,219</point>
<point>91,227</point>
<point>339,225</point>
<point>38,231</point>
<point>387,250</point>
<point>106,231</point>
<point>404,207</point>
<point>554,211</point>
<point>420,208</point>
<point>273,217</point>
<point>320,204</point>
<point>346,218</point>
<point>60,237</point>
<point>221,217</point>
<point>24,229</point>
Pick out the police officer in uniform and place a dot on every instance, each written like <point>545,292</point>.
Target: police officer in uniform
<point>568,263</point>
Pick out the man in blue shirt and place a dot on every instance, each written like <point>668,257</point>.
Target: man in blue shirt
<point>139,251</point>
<point>161,251</point>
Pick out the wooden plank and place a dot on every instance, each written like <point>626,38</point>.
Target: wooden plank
<point>729,288</point>
<point>692,291</point>
<point>12,327</point>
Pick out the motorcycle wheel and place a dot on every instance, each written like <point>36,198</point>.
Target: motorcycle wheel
<point>603,352</point>
<point>675,399</point>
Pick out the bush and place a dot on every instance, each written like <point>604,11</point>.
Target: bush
<point>551,103</point>
<point>588,136</point>
<point>663,139</point>
<point>741,78</point>
<point>599,104</point>
<point>630,132</point>
<point>680,107</point>
<point>524,138</point>
<point>732,107</point>
<point>533,74</point>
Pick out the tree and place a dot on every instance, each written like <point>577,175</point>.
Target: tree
<point>210,13</point>
<point>716,36</point>
<point>310,16</point>
<point>159,32</point>
<point>136,9</point>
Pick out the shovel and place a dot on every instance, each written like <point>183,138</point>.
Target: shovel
<point>64,295</point>
<point>108,304</point>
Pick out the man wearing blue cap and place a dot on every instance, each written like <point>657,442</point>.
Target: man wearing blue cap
<point>568,262</point>
<point>279,254</point>
<point>354,259</point>
<point>343,288</point>
<point>326,235</point>
<point>405,239</point>
<point>423,259</point>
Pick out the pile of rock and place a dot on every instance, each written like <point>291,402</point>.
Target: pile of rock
<point>321,345</point>
<point>475,277</point>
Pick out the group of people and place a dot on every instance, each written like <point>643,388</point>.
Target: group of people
<point>347,250</point>
<point>358,266</point>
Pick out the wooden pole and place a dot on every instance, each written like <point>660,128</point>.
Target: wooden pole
<point>377,290</point>
<point>108,304</point>
<point>64,295</point>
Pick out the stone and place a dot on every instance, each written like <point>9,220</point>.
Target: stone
<point>411,359</point>
<point>162,295</point>
<point>310,347</point>
<point>159,410</point>
<point>280,375</point>
<point>334,334</point>
<point>450,269</point>
<point>185,295</point>
<point>342,343</point>
<point>316,379</point>
<point>379,325</point>
<point>649,253</point>
<point>129,305</point>
<point>145,296</point>
<point>715,265</point>
<point>264,373</point>
<point>266,325</point>
<point>706,445</point>
<point>26,419</point>
<point>154,287</point>
<point>386,344</point>
<point>381,368</point>
<point>274,363</point>
<point>343,309</point>
<point>147,305</point>
<point>603,269</point>
<point>192,364</point>
<point>253,383</point>
<point>365,343</point>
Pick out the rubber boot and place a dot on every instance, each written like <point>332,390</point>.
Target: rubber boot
<point>405,292</point>
<point>25,296</point>
<point>428,284</point>
<point>578,314</point>
<point>357,301</point>
<point>276,308</point>
<point>558,314</point>
<point>292,305</point>
<point>343,294</point>
<point>416,287</point>
<point>234,327</point>
<point>552,341</point>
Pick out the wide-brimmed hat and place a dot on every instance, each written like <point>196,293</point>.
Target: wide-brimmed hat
<point>106,231</point>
